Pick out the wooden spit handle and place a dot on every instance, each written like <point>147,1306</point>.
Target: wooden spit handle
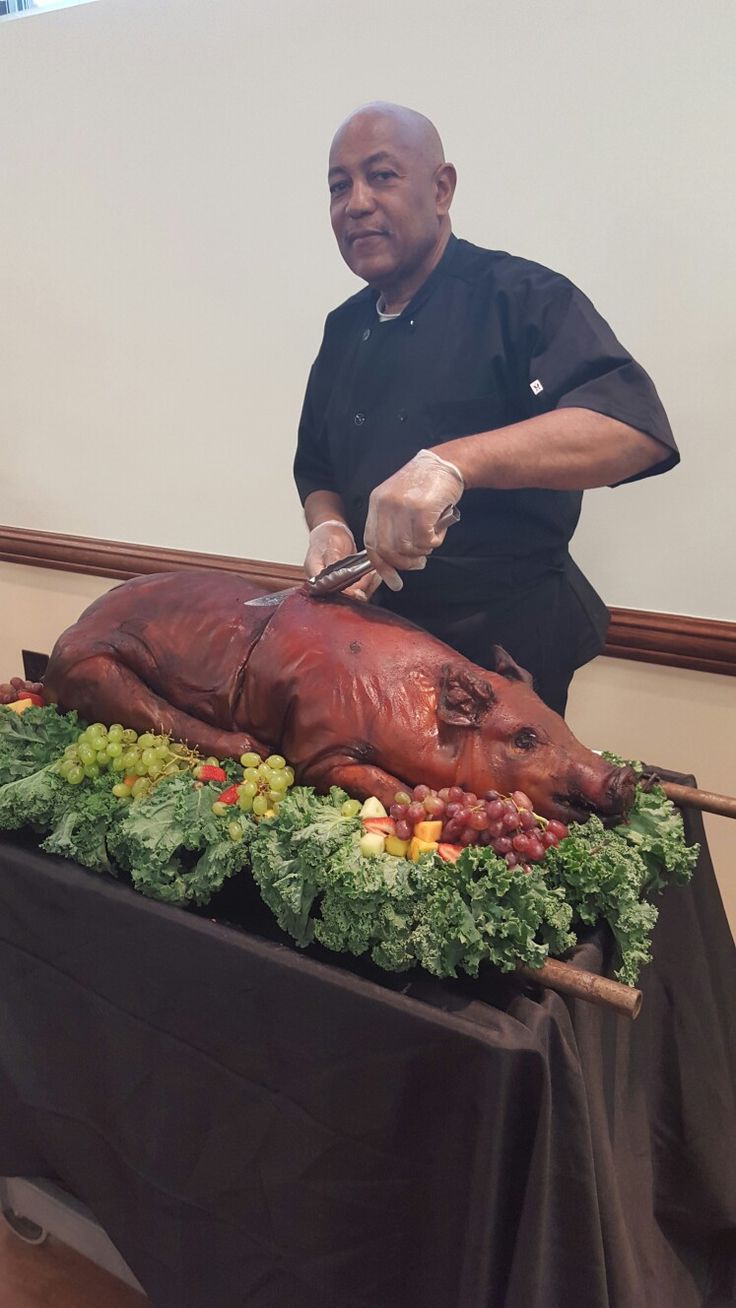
<point>688,796</point>
<point>569,980</point>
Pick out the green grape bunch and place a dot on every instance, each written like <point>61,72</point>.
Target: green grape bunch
<point>138,762</point>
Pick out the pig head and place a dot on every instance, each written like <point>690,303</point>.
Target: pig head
<point>351,695</point>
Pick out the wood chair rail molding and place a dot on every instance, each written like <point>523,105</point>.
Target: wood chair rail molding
<point>701,644</point>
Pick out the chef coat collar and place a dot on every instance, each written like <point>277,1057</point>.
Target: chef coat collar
<point>428,285</point>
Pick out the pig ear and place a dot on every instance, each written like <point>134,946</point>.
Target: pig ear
<point>505,666</point>
<point>464,697</point>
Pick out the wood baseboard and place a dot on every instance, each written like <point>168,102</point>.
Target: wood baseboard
<point>702,644</point>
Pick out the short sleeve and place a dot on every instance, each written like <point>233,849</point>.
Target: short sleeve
<point>573,360</point>
<point>312,467</point>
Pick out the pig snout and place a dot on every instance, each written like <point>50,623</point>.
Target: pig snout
<point>607,791</point>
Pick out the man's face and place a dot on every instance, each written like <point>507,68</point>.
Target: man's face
<point>386,201</point>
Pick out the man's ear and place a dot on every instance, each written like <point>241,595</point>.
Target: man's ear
<point>464,697</point>
<point>445,180</point>
<point>505,666</point>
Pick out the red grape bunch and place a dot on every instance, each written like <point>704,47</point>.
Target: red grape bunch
<point>506,823</point>
<point>17,688</point>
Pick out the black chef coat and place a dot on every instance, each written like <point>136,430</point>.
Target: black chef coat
<point>488,340</point>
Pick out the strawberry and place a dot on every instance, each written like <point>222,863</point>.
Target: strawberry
<point>450,853</point>
<point>229,796</point>
<point>208,772</point>
<point>385,826</point>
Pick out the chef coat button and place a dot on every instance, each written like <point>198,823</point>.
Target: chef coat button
<point>359,419</point>
<point>411,322</point>
<point>402,415</point>
<point>366,333</point>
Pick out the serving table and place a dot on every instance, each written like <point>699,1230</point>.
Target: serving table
<point>255,1125</point>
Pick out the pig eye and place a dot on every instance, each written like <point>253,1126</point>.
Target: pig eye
<point>525,739</point>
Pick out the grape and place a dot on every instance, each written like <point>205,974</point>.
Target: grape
<point>116,731</point>
<point>403,830</point>
<point>250,789</point>
<point>434,806</point>
<point>558,829</point>
<point>536,850</point>
<point>549,839</point>
<point>140,787</point>
<point>92,770</point>
<point>444,793</point>
<point>103,759</point>
<point>129,736</point>
<point>491,796</point>
<point>260,804</point>
<point>121,790</point>
<point>87,752</point>
<point>250,774</point>
<point>148,756</point>
<point>521,843</point>
<point>273,797</point>
<point>130,758</point>
<point>220,809</point>
<point>163,751</point>
<point>450,831</point>
<point>279,782</point>
<point>470,798</point>
<point>496,829</point>
<point>97,729</point>
<point>245,802</point>
<point>402,798</point>
<point>478,820</point>
<point>117,764</point>
<point>455,795</point>
<point>290,774</point>
<point>453,809</point>
<point>415,813</point>
<point>527,819</point>
<point>484,837</point>
<point>276,762</point>
<point>250,760</point>
<point>351,808</point>
<point>153,770</point>
<point>503,845</point>
<point>467,836</point>
<point>113,749</point>
<point>521,800</point>
<point>75,775</point>
<point>398,812</point>
<point>510,820</point>
<point>511,860</point>
<point>263,770</point>
<point>420,793</point>
<point>235,831</point>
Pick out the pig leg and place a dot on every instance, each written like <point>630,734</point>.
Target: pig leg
<point>359,779</point>
<point>101,687</point>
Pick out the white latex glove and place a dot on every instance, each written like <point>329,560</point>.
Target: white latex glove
<point>401,528</point>
<point>332,540</point>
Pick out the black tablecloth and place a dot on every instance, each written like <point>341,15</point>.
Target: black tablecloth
<point>254,1126</point>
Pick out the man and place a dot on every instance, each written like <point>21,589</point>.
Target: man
<point>462,374</point>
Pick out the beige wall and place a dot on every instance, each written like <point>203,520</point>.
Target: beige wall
<point>666,716</point>
<point>166,259</point>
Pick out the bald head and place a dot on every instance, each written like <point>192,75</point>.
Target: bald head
<point>391,191</point>
<point>413,129</point>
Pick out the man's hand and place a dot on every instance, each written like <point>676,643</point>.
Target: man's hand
<point>332,540</point>
<point>403,512</point>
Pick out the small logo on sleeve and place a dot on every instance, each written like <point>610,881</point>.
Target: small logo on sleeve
<point>536,386</point>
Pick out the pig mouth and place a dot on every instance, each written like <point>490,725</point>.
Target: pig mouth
<point>574,808</point>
